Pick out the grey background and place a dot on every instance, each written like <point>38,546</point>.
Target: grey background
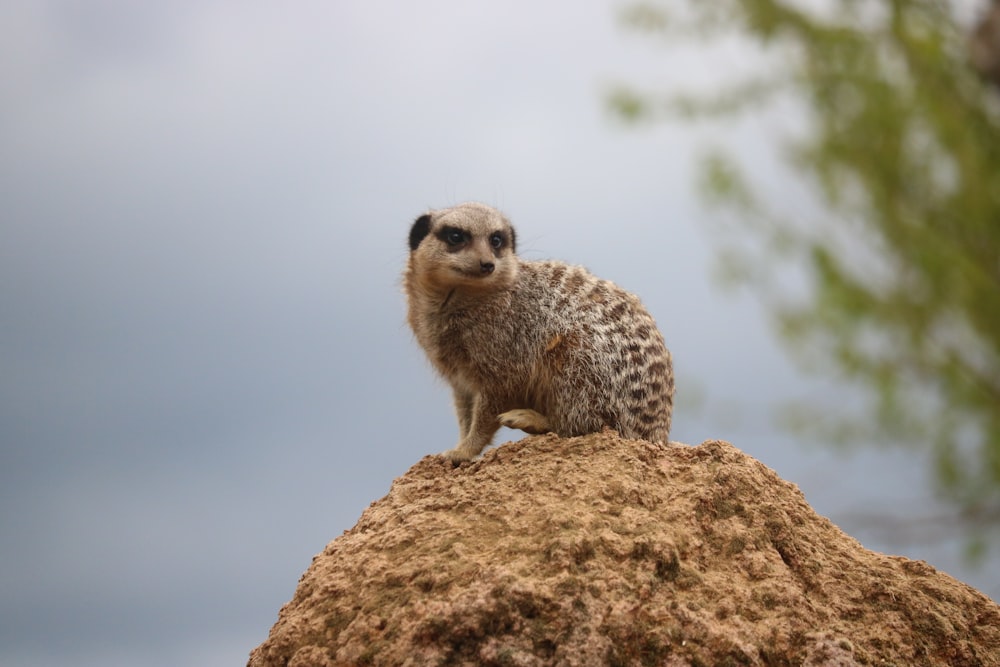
<point>205,372</point>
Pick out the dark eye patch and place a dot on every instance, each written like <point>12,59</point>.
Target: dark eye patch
<point>497,240</point>
<point>453,236</point>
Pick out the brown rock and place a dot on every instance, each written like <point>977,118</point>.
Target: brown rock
<point>602,551</point>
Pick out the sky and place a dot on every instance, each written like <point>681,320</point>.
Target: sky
<point>205,370</point>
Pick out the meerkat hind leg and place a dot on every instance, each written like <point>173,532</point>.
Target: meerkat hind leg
<point>528,421</point>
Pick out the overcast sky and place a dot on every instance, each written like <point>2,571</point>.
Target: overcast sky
<point>205,372</point>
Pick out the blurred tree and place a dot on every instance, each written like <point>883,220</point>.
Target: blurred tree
<point>902,261</point>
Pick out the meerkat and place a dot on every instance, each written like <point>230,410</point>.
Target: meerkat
<point>539,346</point>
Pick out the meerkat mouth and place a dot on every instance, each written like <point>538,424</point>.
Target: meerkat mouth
<point>475,275</point>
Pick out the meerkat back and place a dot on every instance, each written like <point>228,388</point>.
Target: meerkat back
<point>536,346</point>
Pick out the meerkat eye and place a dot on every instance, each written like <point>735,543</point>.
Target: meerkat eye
<point>454,237</point>
<point>497,240</point>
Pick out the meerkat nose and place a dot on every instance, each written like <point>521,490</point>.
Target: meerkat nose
<point>486,268</point>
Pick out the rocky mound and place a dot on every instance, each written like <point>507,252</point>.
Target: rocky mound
<point>603,551</point>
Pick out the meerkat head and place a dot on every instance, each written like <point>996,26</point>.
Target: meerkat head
<point>469,246</point>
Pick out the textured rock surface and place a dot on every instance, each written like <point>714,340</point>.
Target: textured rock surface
<point>598,550</point>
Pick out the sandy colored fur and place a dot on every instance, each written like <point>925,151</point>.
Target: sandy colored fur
<point>544,337</point>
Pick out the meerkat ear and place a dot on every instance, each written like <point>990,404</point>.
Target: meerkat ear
<point>419,230</point>
<point>513,241</point>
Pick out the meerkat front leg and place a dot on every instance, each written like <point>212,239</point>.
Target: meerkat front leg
<point>482,427</point>
<point>464,403</point>
<point>528,421</point>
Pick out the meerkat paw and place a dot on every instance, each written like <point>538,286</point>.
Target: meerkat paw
<point>456,455</point>
<point>528,421</point>
<point>459,455</point>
